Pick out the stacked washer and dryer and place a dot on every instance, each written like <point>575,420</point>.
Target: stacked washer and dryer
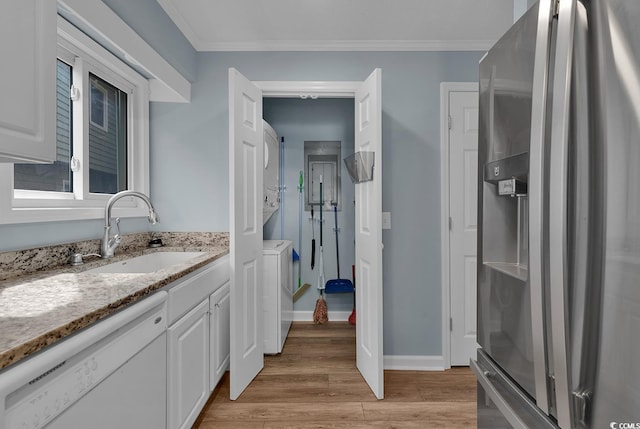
<point>278,279</point>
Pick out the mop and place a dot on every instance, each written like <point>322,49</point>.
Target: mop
<point>320,315</point>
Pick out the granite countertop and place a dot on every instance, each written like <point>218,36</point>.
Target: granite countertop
<point>44,306</point>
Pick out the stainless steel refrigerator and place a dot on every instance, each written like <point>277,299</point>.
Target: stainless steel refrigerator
<point>559,220</point>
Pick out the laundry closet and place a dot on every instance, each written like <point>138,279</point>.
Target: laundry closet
<point>318,134</point>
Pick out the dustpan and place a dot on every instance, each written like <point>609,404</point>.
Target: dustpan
<point>338,285</point>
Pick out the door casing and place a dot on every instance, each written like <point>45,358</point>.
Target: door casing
<point>445,89</point>
<point>314,89</point>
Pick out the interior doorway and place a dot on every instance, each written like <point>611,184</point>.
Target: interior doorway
<point>302,124</point>
<point>459,163</point>
<point>246,156</point>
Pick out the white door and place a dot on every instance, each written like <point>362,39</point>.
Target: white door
<point>368,138</point>
<point>463,205</point>
<point>246,153</point>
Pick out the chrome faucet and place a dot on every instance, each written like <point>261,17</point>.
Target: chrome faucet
<point>109,244</point>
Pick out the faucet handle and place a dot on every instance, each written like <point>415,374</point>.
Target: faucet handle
<point>115,241</point>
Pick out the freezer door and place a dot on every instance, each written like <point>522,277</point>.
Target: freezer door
<point>501,403</point>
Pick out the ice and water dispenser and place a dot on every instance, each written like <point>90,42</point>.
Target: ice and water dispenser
<point>506,220</point>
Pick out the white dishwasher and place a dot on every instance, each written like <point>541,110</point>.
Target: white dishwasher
<point>110,375</point>
<point>278,293</point>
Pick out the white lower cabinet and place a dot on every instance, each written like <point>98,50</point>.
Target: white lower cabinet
<point>197,342</point>
<point>188,361</point>
<point>219,314</point>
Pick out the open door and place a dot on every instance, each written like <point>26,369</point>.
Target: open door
<point>246,152</point>
<point>368,138</point>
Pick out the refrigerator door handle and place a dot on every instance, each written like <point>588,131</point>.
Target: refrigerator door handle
<point>496,390</point>
<point>581,405</point>
<point>536,201</point>
<point>558,208</point>
<point>507,411</point>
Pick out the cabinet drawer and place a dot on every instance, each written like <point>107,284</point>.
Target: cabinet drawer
<point>189,292</point>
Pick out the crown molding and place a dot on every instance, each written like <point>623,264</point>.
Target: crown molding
<point>343,45</point>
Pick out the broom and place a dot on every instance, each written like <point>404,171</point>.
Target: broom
<point>320,315</point>
<point>352,317</point>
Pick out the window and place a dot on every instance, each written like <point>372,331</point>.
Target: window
<point>98,104</point>
<point>101,140</point>
<point>108,138</point>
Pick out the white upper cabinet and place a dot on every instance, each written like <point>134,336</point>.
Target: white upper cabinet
<point>28,81</point>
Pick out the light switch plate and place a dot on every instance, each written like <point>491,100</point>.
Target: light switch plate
<point>386,220</point>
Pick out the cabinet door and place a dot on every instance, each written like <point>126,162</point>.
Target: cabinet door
<point>28,80</point>
<point>188,367</point>
<point>219,331</point>
<point>270,310</point>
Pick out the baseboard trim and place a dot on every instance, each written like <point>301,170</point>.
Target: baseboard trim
<point>414,363</point>
<point>334,316</point>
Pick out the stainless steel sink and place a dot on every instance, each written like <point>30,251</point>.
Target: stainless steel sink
<point>147,263</point>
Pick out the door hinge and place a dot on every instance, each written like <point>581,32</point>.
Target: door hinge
<point>451,323</point>
<point>556,8</point>
<point>449,121</point>
<point>450,223</point>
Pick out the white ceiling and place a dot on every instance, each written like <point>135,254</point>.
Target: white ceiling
<point>340,25</point>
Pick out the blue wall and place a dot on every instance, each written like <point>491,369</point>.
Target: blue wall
<point>189,160</point>
<point>189,165</point>
<point>322,120</point>
<point>151,23</point>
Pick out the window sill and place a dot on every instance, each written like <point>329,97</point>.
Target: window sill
<point>17,215</point>
<point>28,210</point>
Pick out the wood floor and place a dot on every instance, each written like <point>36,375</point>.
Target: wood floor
<point>314,384</point>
